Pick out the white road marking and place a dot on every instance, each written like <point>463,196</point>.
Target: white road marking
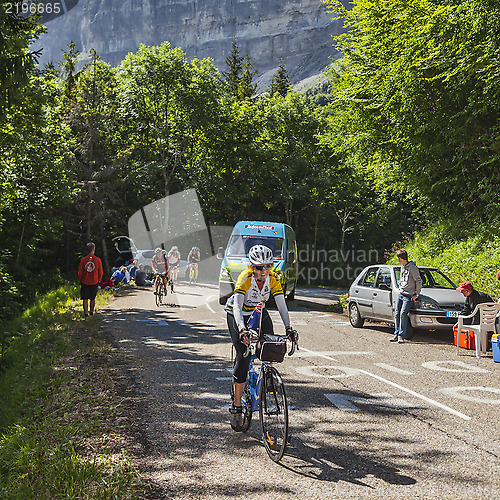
<point>404,389</point>
<point>462,367</point>
<point>312,354</point>
<point>309,371</point>
<point>391,368</point>
<point>207,299</point>
<point>153,322</point>
<point>345,402</point>
<point>211,395</point>
<point>208,323</point>
<point>455,392</point>
<point>298,322</point>
<point>417,395</point>
<point>224,378</point>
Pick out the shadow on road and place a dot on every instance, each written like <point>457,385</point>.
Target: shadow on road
<point>183,395</point>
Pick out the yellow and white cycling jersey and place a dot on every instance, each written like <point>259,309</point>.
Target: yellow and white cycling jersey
<point>247,286</point>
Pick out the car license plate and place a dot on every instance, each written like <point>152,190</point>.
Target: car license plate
<point>452,314</point>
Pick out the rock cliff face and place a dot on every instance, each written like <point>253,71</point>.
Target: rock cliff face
<point>297,31</point>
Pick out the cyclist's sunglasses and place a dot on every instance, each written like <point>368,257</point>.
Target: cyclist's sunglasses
<point>261,268</point>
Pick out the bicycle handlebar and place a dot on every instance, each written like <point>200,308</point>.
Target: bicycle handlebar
<point>253,337</point>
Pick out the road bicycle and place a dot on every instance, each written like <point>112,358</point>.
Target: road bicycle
<point>265,391</point>
<point>161,292</point>
<point>192,272</point>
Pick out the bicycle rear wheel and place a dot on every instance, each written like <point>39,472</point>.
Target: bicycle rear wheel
<point>273,413</point>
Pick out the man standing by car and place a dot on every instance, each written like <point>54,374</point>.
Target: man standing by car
<point>410,284</point>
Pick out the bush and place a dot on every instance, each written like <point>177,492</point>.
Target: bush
<point>462,255</point>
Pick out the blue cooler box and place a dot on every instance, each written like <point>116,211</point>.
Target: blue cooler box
<point>495,346</point>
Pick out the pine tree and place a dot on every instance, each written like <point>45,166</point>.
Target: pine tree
<point>232,76</point>
<point>280,82</point>
<point>17,62</point>
<point>247,88</point>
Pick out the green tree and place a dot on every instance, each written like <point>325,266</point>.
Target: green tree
<point>247,87</point>
<point>280,82</point>
<point>289,139</point>
<point>418,99</point>
<point>232,77</point>
<point>17,62</point>
<point>169,110</point>
<point>91,111</point>
<point>238,79</point>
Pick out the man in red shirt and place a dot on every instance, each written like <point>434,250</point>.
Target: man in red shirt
<point>89,275</point>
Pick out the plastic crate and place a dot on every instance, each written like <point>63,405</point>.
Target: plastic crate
<point>495,346</point>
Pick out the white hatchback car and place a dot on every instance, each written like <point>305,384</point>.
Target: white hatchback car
<point>374,292</point>
<point>145,257</point>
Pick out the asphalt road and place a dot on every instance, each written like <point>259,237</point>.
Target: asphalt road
<point>368,417</point>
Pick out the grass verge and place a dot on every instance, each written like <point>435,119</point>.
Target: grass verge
<point>63,432</point>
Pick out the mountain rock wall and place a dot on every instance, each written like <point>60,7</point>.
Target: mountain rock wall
<point>299,32</point>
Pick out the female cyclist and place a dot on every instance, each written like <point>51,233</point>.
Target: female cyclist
<point>254,286</point>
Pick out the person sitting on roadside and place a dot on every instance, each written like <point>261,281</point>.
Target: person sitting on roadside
<point>140,277</point>
<point>132,269</point>
<point>106,285</point>
<point>121,275</point>
<point>472,299</point>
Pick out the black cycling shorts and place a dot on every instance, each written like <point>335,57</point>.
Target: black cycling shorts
<point>88,292</point>
<point>240,370</point>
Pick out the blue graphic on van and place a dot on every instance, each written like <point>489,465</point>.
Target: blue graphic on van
<point>279,237</point>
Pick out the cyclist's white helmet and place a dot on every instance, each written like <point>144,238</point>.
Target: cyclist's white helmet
<point>174,249</point>
<point>260,254</point>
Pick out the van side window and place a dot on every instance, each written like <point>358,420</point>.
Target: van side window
<point>369,277</point>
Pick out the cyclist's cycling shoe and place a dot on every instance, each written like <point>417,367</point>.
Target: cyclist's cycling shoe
<point>237,418</point>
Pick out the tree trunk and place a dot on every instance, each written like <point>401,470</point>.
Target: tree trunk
<point>21,237</point>
<point>105,257</point>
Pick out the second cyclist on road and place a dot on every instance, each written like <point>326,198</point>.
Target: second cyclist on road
<point>160,268</point>
<point>193,258</point>
<point>174,262</point>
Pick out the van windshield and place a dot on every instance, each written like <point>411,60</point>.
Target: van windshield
<point>239,245</point>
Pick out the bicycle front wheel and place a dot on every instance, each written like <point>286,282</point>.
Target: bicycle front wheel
<point>273,413</point>
<point>246,402</point>
<point>159,294</point>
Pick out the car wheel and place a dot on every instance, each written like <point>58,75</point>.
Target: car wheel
<point>354,317</point>
<point>410,331</point>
